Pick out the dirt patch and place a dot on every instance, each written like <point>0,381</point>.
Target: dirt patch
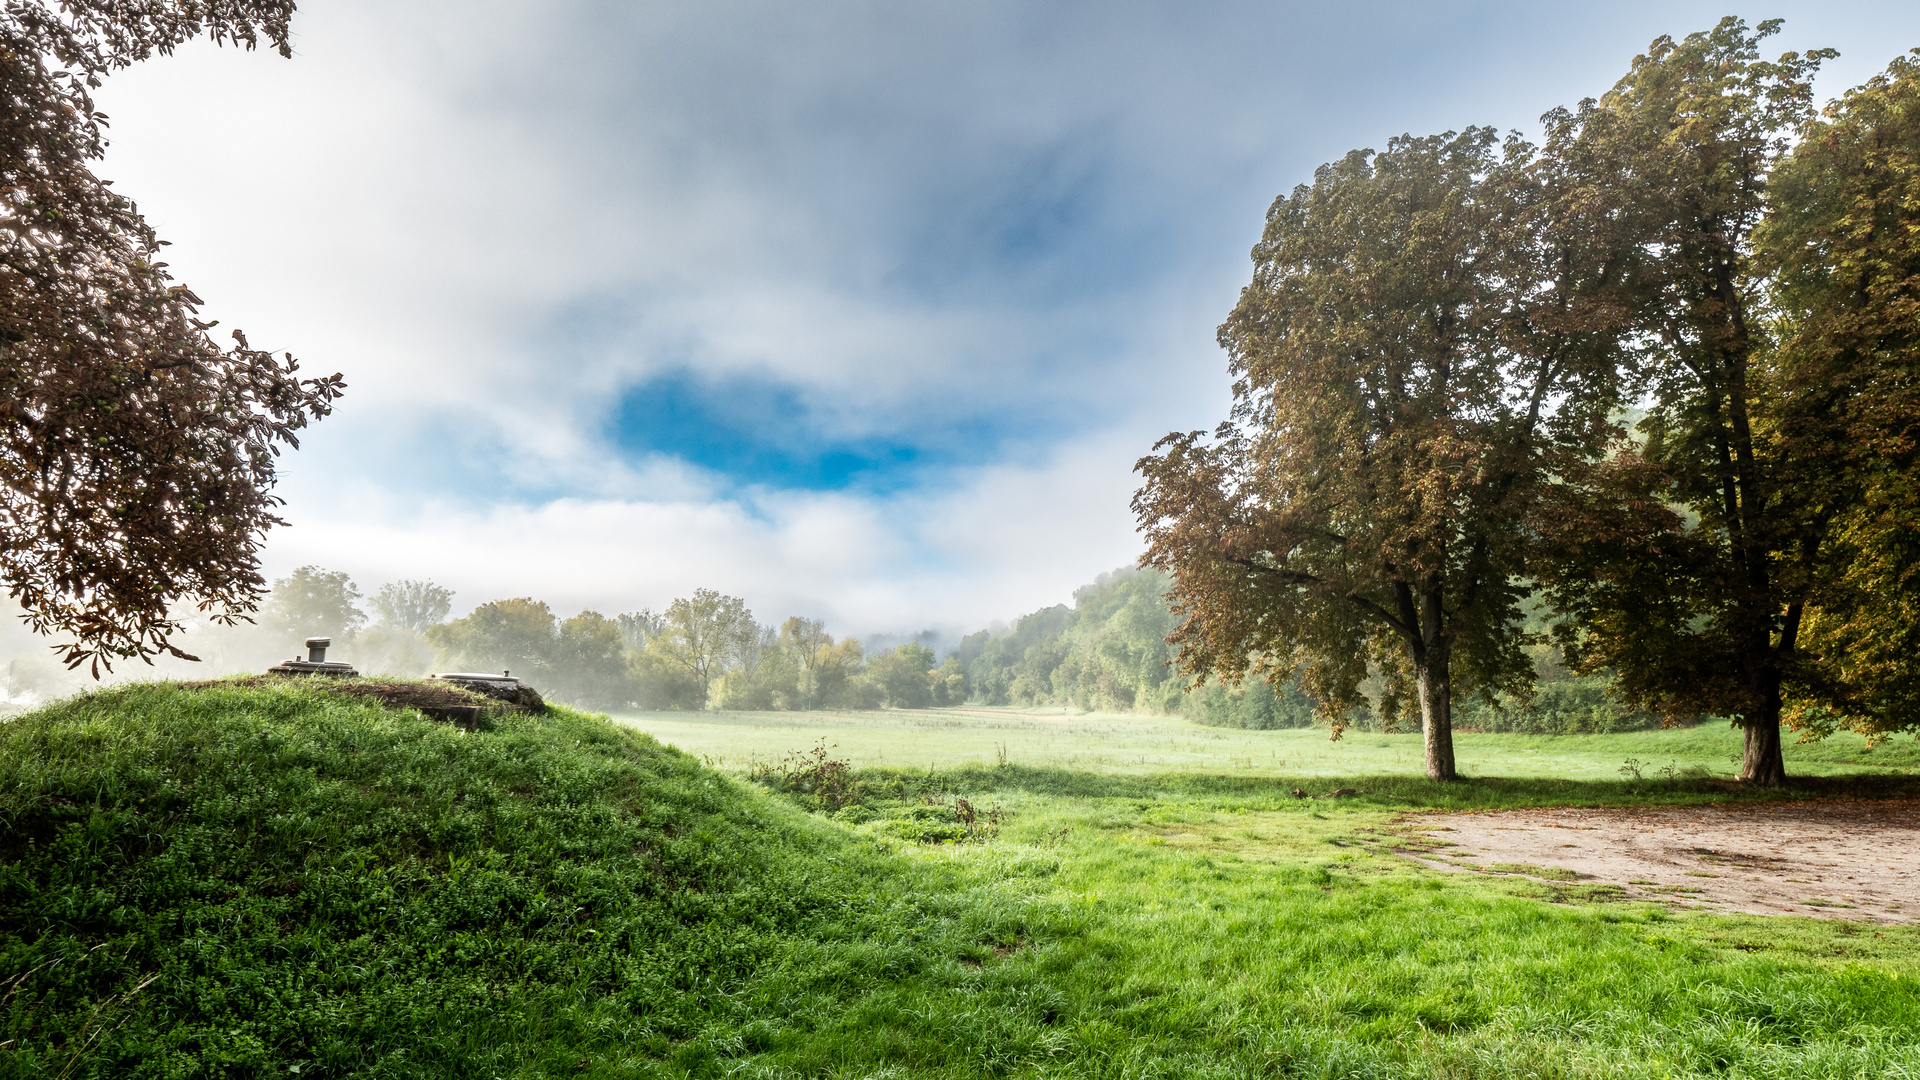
<point>1839,859</point>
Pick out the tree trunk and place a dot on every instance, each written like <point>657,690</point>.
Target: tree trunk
<point>1761,762</point>
<point>1433,673</point>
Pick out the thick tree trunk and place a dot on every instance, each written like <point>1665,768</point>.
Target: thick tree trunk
<point>1761,762</point>
<point>1435,682</point>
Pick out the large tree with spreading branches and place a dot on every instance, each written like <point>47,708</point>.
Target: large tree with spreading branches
<point>1425,346</point>
<point>1707,551</point>
<point>1841,247</point>
<point>136,453</point>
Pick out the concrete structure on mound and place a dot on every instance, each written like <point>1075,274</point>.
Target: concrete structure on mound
<point>501,687</point>
<point>315,663</point>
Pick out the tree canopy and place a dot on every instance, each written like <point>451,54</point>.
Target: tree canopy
<point>1432,363</point>
<point>136,453</point>
<point>704,632</point>
<point>1422,349</point>
<point>1840,247</point>
<point>313,602</point>
<point>412,604</point>
<point>1711,548</point>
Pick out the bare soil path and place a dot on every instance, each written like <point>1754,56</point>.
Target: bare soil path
<point>1839,859</point>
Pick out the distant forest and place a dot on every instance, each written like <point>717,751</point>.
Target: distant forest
<point>1104,652</point>
<point>1108,652</point>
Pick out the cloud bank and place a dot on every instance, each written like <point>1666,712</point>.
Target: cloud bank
<point>856,310</point>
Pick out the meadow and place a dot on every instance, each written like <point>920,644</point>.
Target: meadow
<point>1201,920</point>
<point>1109,743</point>
<point>275,880</point>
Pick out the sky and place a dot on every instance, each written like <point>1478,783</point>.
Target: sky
<point>860,311</point>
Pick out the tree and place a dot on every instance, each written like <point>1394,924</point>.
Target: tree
<point>1701,611</point>
<point>588,662</point>
<point>807,641</point>
<point>312,602</point>
<point>655,682</point>
<point>638,628</point>
<point>412,605</point>
<point>703,633</point>
<point>835,681</point>
<point>948,683</point>
<point>752,644</point>
<point>902,675</point>
<point>136,454</point>
<point>505,635</point>
<point>1424,347</point>
<point>1841,247</point>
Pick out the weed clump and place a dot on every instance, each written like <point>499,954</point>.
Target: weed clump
<point>816,780</point>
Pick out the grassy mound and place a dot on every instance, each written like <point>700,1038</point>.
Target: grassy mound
<point>241,880</point>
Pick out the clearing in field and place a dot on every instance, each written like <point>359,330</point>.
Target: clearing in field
<point>1840,859</point>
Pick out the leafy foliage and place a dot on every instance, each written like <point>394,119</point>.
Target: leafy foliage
<point>312,602</point>
<point>707,632</point>
<point>583,660</point>
<point>1418,356</point>
<point>1842,248</point>
<point>136,454</point>
<point>1772,291</point>
<point>412,605</point>
<point>901,674</point>
<point>1106,652</point>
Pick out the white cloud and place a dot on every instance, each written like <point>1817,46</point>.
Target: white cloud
<point>1004,540</point>
<point>496,217</point>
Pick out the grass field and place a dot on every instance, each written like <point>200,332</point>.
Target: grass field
<point>274,881</point>
<point>1191,918</point>
<point>947,739</point>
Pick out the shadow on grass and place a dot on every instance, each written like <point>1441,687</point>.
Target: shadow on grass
<point>1399,791</point>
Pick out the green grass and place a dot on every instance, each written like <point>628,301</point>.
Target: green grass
<point>263,882</point>
<point>946,739</point>
<point>236,882</point>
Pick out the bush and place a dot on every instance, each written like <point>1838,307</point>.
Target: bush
<point>1255,705</point>
<point>1572,706</point>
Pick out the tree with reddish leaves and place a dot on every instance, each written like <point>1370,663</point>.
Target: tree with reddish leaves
<point>1428,344</point>
<point>136,453</point>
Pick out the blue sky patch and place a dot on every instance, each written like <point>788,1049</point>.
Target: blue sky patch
<point>755,431</point>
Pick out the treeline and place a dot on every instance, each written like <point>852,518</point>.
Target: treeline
<point>1108,652</point>
<point>703,651</point>
<point>1105,652</point>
